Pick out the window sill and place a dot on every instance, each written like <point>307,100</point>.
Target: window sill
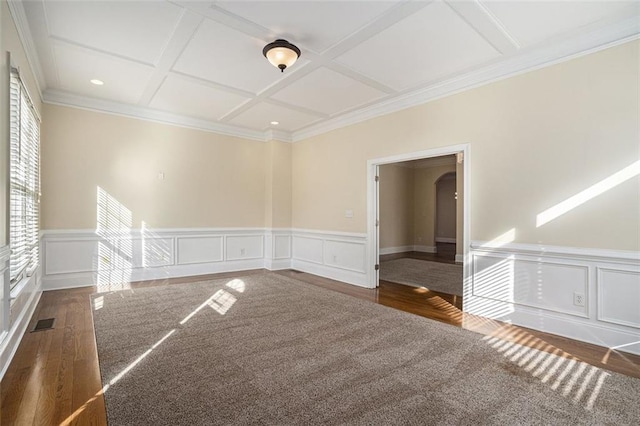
<point>23,284</point>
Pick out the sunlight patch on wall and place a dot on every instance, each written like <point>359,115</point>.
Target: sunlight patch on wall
<point>492,287</point>
<point>155,249</point>
<point>501,240</point>
<point>115,249</point>
<point>589,193</point>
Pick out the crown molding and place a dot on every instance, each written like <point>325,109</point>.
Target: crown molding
<point>24,34</point>
<point>278,135</point>
<point>535,58</point>
<point>582,43</point>
<point>57,97</point>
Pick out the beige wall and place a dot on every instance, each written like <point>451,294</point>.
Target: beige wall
<point>10,42</point>
<point>278,185</point>
<point>396,206</point>
<point>536,140</point>
<point>425,196</point>
<point>407,204</point>
<point>210,180</point>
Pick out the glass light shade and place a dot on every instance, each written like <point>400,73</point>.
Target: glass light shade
<point>281,53</point>
<point>282,56</point>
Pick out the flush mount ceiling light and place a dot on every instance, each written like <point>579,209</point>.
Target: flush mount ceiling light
<point>97,82</point>
<point>275,123</point>
<point>281,54</point>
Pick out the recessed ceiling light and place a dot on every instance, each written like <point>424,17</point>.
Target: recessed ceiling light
<point>97,82</point>
<point>275,123</point>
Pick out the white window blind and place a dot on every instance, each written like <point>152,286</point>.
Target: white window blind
<point>24,171</point>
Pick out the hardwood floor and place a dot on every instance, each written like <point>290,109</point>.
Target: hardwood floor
<point>54,376</point>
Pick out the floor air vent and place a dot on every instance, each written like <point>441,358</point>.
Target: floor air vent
<point>44,324</point>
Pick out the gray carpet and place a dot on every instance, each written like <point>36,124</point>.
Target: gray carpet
<point>266,349</point>
<point>442,277</point>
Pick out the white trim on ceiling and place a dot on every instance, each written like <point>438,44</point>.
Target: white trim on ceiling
<point>613,35</point>
<point>57,97</point>
<point>582,43</point>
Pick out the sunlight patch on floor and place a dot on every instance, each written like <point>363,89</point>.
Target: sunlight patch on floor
<point>563,372</point>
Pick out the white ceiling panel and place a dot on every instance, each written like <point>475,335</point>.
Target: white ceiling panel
<point>316,25</point>
<point>325,91</point>
<point>534,21</point>
<point>229,57</point>
<point>186,97</point>
<point>427,45</point>
<point>260,116</point>
<point>128,28</point>
<point>360,58</point>
<point>124,81</point>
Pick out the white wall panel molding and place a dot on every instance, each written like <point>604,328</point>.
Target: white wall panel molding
<point>591,254</point>
<point>618,293</point>
<point>199,249</point>
<point>591,295</point>
<point>548,284</point>
<point>81,257</point>
<point>336,255</point>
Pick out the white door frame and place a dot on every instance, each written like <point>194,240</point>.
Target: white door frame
<point>373,205</point>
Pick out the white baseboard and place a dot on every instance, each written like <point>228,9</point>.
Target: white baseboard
<point>405,249</point>
<point>426,249</point>
<point>394,250</point>
<point>277,264</point>
<point>445,240</point>
<point>350,277</point>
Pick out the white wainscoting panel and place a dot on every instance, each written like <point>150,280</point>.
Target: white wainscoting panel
<point>345,255</point>
<point>336,255</point>
<point>534,283</point>
<point>282,246</point>
<point>308,249</point>
<point>541,288</point>
<point>200,249</point>
<point>619,296</point>
<point>244,247</point>
<point>150,252</point>
<point>76,258</point>
<point>70,256</point>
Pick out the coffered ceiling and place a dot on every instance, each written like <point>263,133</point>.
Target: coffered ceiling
<point>200,63</point>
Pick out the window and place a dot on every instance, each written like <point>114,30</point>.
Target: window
<point>24,171</point>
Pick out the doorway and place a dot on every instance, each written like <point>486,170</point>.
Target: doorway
<point>461,154</point>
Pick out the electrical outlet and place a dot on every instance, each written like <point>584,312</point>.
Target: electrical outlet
<point>335,258</point>
<point>242,252</point>
<point>578,299</point>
